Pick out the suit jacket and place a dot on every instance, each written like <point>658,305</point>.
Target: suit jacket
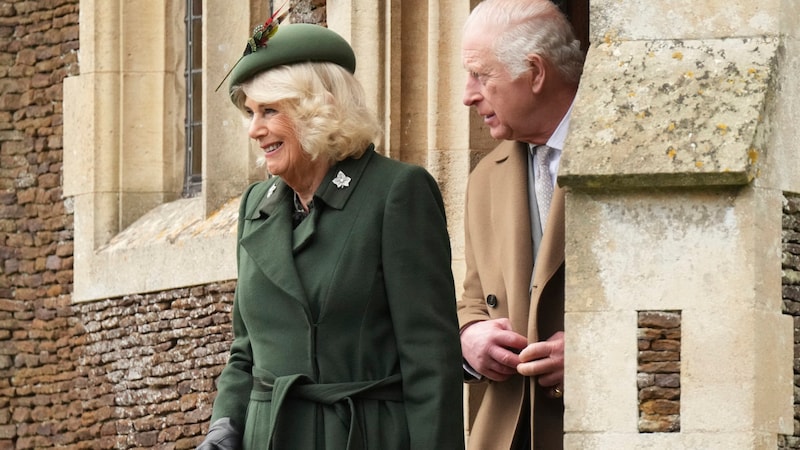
<point>498,284</point>
<point>345,328</point>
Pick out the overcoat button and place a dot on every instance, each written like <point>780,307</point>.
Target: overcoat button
<point>491,300</point>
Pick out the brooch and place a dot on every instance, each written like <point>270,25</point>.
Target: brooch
<point>341,180</point>
<point>271,190</point>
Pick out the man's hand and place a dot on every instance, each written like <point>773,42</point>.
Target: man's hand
<point>544,360</point>
<point>490,347</point>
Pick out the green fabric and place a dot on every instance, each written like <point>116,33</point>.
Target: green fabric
<point>340,396</point>
<point>292,44</point>
<point>375,259</point>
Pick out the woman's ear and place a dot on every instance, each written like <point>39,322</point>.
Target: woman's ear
<point>538,71</point>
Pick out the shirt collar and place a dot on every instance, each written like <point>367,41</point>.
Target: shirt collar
<point>558,137</point>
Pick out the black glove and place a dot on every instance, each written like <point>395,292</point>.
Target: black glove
<point>222,435</point>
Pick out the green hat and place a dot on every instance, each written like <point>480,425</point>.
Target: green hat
<point>291,44</point>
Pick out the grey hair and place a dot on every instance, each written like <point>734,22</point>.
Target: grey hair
<point>530,27</point>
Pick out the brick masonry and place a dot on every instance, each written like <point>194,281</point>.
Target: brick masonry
<point>132,372</point>
<point>123,373</point>
<point>38,48</point>
<point>659,371</point>
<point>791,300</point>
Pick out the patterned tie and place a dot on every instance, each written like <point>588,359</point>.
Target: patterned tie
<point>544,182</point>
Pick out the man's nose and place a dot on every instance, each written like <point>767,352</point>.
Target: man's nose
<point>471,92</point>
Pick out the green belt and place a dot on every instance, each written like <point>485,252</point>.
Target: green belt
<point>340,396</point>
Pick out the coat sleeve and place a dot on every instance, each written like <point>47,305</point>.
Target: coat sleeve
<point>421,293</point>
<point>236,381</point>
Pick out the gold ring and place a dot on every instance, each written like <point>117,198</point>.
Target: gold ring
<point>556,392</point>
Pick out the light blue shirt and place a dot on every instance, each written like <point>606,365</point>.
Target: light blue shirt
<point>556,142</point>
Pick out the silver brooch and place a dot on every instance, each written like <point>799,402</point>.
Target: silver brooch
<point>271,190</point>
<point>341,180</point>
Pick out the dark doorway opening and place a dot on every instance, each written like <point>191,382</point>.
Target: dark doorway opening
<point>578,13</point>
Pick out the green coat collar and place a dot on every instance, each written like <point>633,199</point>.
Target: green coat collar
<point>335,189</point>
<point>267,213</point>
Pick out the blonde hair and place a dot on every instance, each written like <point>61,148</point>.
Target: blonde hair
<point>530,27</point>
<point>325,102</point>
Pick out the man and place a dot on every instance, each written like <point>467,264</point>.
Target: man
<point>524,66</point>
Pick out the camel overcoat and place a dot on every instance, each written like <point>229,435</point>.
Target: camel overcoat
<point>498,284</point>
<point>345,328</point>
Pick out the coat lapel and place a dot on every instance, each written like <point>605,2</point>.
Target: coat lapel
<point>549,260</point>
<point>269,219</point>
<point>552,250</point>
<point>334,191</point>
<point>510,193</point>
<point>265,223</point>
<point>342,179</point>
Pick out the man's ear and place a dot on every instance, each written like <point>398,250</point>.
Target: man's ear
<point>538,71</point>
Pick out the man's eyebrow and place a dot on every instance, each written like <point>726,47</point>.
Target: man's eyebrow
<point>472,66</point>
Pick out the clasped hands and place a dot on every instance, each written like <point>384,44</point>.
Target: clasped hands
<point>495,351</point>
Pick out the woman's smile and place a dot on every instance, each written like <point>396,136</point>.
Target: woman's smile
<point>272,147</point>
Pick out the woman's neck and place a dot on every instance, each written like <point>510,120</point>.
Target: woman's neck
<point>308,185</point>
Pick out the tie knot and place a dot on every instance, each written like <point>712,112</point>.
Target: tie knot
<point>543,153</point>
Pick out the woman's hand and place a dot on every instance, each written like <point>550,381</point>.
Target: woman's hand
<point>222,435</point>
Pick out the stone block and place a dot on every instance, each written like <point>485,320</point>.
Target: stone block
<point>672,250</point>
<point>685,19</point>
<point>90,130</point>
<point>600,387</point>
<point>670,113</point>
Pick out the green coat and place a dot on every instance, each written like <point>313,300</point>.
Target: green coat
<point>345,329</point>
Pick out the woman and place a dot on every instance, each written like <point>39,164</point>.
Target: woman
<point>345,331</point>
